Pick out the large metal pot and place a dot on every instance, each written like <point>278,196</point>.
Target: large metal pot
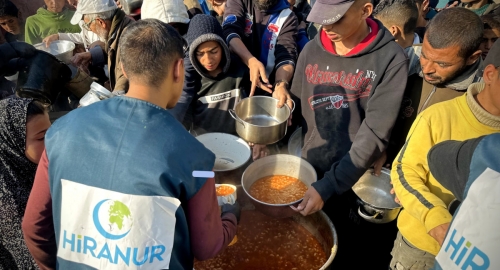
<point>259,120</point>
<point>130,5</point>
<point>318,224</point>
<point>376,203</point>
<point>61,49</point>
<point>277,165</point>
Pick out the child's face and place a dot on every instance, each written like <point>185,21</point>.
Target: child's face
<point>489,37</point>
<point>10,24</point>
<point>55,6</point>
<point>35,135</point>
<point>348,24</point>
<point>209,54</point>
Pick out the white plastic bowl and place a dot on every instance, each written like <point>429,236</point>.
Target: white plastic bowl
<point>231,152</point>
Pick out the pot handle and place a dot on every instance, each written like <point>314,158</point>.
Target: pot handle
<point>293,108</point>
<point>233,115</point>
<point>363,215</point>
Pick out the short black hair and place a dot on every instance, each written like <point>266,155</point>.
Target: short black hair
<point>455,26</point>
<point>35,108</point>
<point>491,21</point>
<point>403,13</point>
<point>147,49</point>
<point>7,8</point>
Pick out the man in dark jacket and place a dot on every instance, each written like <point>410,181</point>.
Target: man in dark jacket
<point>350,81</point>
<point>105,19</point>
<point>449,63</point>
<point>263,34</point>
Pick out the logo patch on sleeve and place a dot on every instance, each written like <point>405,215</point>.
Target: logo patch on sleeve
<point>229,20</point>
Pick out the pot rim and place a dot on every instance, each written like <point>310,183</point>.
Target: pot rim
<point>258,97</point>
<point>269,204</point>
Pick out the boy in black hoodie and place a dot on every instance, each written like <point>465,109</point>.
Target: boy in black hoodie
<point>224,79</point>
<point>350,80</point>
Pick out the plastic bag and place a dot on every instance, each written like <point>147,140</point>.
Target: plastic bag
<point>96,93</point>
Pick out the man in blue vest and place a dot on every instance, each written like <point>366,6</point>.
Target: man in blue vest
<point>470,170</point>
<point>115,188</point>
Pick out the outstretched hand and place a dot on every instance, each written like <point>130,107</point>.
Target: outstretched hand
<point>258,72</point>
<point>311,203</point>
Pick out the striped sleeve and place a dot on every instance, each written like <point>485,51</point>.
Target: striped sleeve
<point>410,174</point>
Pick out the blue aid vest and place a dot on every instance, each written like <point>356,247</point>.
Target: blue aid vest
<point>120,173</point>
<point>473,239</point>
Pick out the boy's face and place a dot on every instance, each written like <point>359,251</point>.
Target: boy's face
<point>55,6</point>
<point>10,24</point>
<point>347,25</point>
<point>489,37</point>
<point>209,54</point>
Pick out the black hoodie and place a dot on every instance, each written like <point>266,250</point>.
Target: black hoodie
<point>216,95</point>
<point>349,104</point>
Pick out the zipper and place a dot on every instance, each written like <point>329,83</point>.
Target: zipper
<point>428,99</point>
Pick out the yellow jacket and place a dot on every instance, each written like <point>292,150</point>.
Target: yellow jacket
<point>424,200</point>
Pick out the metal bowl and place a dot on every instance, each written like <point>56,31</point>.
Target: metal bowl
<point>61,49</point>
<point>376,203</point>
<point>288,165</point>
<point>230,151</point>
<point>259,120</point>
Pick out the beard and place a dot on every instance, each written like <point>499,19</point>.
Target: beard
<point>102,34</point>
<point>265,4</point>
<point>440,81</point>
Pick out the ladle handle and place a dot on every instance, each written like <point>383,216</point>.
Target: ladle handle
<point>233,115</point>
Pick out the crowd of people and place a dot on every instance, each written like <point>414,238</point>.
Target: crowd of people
<point>401,84</point>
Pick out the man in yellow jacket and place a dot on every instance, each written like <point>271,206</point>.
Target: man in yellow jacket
<point>425,219</point>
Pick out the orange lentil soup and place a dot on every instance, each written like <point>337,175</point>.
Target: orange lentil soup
<point>223,190</point>
<point>278,189</point>
<point>265,243</point>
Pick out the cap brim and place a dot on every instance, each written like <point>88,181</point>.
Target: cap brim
<point>327,14</point>
<point>77,17</point>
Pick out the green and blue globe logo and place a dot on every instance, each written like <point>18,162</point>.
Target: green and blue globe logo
<point>112,219</point>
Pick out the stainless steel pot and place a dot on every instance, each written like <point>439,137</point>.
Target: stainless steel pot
<point>259,120</point>
<point>376,203</point>
<point>61,49</point>
<point>130,5</point>
<point>277,165</point>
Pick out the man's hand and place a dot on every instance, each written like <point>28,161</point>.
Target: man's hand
<point>259,151</point>
<point>119,4</point>
<point>258,71</point>
<point>282,94</point>
<point>81,59</point>
<point>439,233</point>
<point>49,39</point>
<point>396,197</point>
<point>377,166</point>
<point>311,203</point>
